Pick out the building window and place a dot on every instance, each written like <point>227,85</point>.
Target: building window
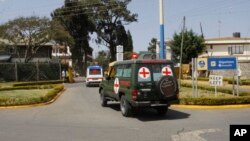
<point>236,49</point>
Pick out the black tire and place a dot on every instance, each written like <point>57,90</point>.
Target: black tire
<point>126,108</point>
<point>167,86</point>
<point>87,85</point>
<point>162,110</point>
<point>104,101</point>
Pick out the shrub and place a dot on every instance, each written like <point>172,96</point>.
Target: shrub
<point>27,87</point>
<point>38,83</point>
<point>215,101</point>
<point>242,82</point>
<point>12,101</point>
<point>219,89</point>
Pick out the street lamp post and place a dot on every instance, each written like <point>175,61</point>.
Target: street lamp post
<point>162,46</point>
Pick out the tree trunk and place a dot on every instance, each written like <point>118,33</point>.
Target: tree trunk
<point>112,52</point>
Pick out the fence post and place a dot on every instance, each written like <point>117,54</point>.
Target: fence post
<point>60,70</point>
<point>16,72</point>
<point>37,70</point>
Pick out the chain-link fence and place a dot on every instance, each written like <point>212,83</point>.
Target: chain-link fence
<point>29,71</point>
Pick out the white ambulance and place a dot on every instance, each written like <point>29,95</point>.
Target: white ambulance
<point>94,75</point>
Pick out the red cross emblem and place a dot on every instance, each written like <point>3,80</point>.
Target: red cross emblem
<point>144,73</point>
<point>166,71</point>
<point>116,85</point>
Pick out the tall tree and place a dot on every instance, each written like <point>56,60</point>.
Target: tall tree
<point>30,31</point>
<point>73,16</point>
<point>121,37</point>
<point>152,45</point>
<point>60,34</point>
<point>109,15</point>
<point>103,59</point>
<point>193,45</point>
<point>129,46</point>
<point>124,38</point>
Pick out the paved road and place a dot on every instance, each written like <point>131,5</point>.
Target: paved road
<point>78,116</point>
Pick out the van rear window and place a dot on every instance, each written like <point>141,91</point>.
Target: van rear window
<point>94,71</point>
<point>149,72</point>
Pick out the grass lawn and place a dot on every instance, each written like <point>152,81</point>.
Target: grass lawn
<point>6,84</point>
<point>23,97</point>
<point>187,92</point>
<point>26,94</point>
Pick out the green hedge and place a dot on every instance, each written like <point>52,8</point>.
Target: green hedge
<point>38,83</point>
<point>219,89</point>
<point>242,82</point>
<point>52,93</point>
<point>244,97</point>
<point>229,80</point>
<point>27,87</point>
<point>215,101</point>
<point>207,79</point>
<point>28,101</point>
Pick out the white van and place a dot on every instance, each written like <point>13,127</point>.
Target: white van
<point>94,75</point>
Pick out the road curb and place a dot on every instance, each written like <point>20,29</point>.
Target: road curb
<point>34,105</point>
<point>211,107</point>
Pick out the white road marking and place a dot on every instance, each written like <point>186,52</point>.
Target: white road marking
<point>193,135</point>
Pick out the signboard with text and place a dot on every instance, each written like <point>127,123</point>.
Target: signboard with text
<point>226,63</point>
<point>215,80</point>
<point>119,56</point>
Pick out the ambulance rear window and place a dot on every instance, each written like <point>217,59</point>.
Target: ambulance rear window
<point>149,72</point>
<point>94,71</point>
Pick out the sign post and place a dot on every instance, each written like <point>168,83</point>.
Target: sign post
<point>119,53</point>
<point>238,74</point>
<point>193,77</point>
<point>196,78</point>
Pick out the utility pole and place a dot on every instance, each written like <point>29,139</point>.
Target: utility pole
<point>162,46</point>
<point>202,35</point>
<point>182,40</point>
<point>219,30</point>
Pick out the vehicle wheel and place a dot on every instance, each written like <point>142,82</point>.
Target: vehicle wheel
<point>87,85</point>
<point>162,110</point>
<point>104,101</point>
<point>126,108</point>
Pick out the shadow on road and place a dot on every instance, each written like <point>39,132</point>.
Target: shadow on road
<point>114,106</point>
<point>151,114</point>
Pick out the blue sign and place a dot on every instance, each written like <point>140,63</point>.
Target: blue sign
<point>226,63</point>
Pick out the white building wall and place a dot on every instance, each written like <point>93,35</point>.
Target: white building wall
<point>222,51</point>
<point>168,51</point>
<point>217,50</point>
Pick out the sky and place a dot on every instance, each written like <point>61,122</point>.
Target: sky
<point>218,18</point>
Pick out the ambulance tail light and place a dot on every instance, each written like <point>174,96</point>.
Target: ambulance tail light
<point>135,93</point>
